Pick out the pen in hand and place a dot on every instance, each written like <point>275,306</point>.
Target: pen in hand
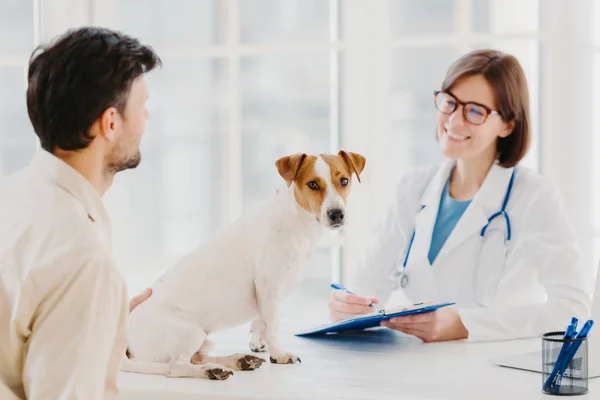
<point>338,287</point>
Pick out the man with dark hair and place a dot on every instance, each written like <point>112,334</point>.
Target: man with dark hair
<point>63,303</point>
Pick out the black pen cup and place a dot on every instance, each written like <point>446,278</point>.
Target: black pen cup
<point>564,365</point>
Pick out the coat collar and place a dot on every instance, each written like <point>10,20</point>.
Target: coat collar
<point>490,195</point>
<point>486,202</point>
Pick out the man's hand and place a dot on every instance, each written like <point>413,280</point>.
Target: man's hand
<point>435,326</point>
<point>139,299</point>
<point>136,301</point>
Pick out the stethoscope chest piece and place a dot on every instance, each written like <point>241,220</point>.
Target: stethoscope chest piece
<point>403,281</point>
<point>400,279</point>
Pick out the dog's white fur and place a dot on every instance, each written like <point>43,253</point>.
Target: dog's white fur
<point>239,276</point>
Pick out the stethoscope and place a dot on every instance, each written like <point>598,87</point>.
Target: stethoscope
<point>401,276</point>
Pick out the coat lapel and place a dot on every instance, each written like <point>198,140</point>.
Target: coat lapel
<point>425,219</point>
<point>486,202</point>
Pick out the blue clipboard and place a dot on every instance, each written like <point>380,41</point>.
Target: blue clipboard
<point>365,321</point>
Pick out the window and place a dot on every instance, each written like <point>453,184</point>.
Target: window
<point>249,81</point>
<point>596,126</point>
<point>412,54</point>
<point>17,139</point>
<point>244,82</point>
<point>428,36</point>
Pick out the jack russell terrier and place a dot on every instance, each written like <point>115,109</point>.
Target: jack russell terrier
<point>241,275</point>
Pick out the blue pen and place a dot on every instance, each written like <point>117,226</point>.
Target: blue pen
<point>338,287</point>
<point>569,333</point>
<point>574,322</point>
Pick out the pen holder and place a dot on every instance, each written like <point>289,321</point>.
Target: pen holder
<point>564,365</point>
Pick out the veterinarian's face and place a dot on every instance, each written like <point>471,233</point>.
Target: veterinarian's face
<point>461,139</point>
<point>322,187</point>
<point>125,153</point>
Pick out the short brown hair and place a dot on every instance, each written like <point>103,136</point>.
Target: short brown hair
<point>507,79</point>
<point>75,79</point>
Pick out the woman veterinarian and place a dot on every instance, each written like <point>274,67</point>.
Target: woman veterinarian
<point>480,230</point>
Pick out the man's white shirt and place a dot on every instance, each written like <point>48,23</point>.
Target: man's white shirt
<point>63,302</point>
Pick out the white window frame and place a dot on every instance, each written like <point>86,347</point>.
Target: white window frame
<point>363,120</point>
<point>103,13</point>
<point>21,60</point>
<point>595,23</point>
<point>567,143</point>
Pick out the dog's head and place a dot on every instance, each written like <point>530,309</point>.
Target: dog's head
<point>322,183</point>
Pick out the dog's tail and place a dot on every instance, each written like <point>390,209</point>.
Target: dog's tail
<point>176,370</point>
<point>144,367</point>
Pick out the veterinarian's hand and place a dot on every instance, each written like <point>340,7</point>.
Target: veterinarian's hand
<point>139,299</point>
<point>344,305</point>
<point>435,326</point>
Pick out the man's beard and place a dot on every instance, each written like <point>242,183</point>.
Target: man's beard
<point>118,163</point>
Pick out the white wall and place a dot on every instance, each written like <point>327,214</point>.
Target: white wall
<point>566,96</point>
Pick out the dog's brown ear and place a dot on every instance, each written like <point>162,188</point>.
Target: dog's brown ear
<point>354,161</point>
<point>289,166</point>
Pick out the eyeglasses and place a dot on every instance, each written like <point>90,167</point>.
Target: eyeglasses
<point>474,113</point>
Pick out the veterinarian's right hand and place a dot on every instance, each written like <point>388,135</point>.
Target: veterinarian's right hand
<point>139,299</point>
<point>344,305</point>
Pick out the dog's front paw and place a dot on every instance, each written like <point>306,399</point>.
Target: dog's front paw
<point>284,358</point>
<point>218,373</point>
<point>249,363</point>
<point>258,345</point>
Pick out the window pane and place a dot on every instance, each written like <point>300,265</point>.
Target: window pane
<point>285,110</point>
<point>596,22</point>
<point>596,146</point>
<point>422,17</point>
<point>596,253</point>
<point>16,27</point>
<point>414,79</point>
<point>596,166</point>
<point>17,138</point>
<point>276,20</point>
<point>172,202</point>
<point>506,16</point>
<point>165,24</point>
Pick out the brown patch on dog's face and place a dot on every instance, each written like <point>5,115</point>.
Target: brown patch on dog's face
<point>341,174</point>
<point>353,161</point>
<point>309,189</point>
<point>322,184</point>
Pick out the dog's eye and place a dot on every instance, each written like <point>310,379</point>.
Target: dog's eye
<point>344,181</point>
<point>313,185</point>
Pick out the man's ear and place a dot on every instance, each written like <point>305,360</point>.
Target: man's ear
<point>289,166</point>
<point>354,161</point>
<point>107,123</point>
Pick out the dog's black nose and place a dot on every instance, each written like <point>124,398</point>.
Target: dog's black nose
<point>336,216</point>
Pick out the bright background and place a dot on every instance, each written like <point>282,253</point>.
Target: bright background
<point>247,81</point>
